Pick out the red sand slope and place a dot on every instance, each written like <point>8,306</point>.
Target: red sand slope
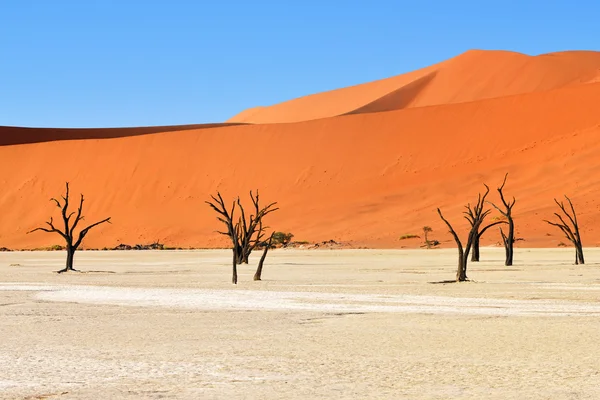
<point>472,76</point>
<point>366,178</point>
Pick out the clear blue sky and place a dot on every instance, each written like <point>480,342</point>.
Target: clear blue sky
<point>97,63</point>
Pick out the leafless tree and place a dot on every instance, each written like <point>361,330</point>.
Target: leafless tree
<point>68,233</point>
<point>571,233</point>
<point>463,253</point>
<point>245,233</point>
<point>507,239</point>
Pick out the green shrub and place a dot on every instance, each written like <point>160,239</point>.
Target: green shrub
<point>282,238</point>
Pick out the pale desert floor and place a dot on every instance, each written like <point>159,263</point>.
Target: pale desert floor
<point>348,324</point>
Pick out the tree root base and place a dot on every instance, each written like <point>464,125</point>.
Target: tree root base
<point>67,270</point>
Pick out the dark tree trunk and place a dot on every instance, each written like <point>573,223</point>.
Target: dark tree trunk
<point>475,254</point>
<point>579,254</point>
<point>239,255</point>
<point>234,276</point>
<point>70,257</point>
<point>472,236</point>
<point>258,274</point>
<point>245,257</point>
<point>509,242</point>
<point>461,272</point>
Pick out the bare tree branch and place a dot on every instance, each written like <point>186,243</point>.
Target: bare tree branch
<point>85,231</point>
<point>78,217</point>
<point>450,229</point>
<point>490,225</point>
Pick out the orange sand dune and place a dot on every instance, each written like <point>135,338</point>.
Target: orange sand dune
<point>365,178</point>
<point>471,76</point>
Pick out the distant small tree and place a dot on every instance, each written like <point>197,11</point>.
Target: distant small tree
<point>570,233</point>
<point>68,233</point>
<point>426,230</point>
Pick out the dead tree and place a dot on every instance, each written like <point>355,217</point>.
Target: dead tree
<point>68,233</point>
<point>571,233</point>
<point>258,274</point>
<point>472,215</point>
<point>507,239</point>
<point>463,253</point>
<point>245,233</point>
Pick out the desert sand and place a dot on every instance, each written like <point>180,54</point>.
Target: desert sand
<point>362,165</point>
<point>322,324</point>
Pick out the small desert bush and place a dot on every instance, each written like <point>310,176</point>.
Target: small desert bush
<point>409,236</point>
<point>282,238</point>
<point>56,247</point>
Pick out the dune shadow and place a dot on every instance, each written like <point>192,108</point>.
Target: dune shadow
<point>13,135</point>
<point>397,99</point>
